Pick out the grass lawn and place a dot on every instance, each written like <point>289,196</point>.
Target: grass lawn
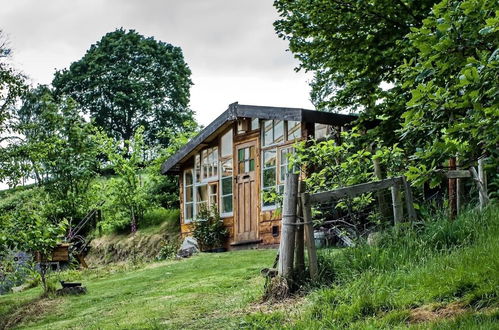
<point>205,291</point>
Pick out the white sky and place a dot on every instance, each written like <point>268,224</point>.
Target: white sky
<point>230,45</point>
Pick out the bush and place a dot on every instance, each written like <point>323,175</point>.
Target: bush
<point>169,249</point>
<point>160,215</point>
<point>209,230</point>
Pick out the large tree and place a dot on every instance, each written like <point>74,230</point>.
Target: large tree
<point>352,47</point>
<point>125,81</point>
<point>57,147</point>
<point>12,85</point>
<point>454,84</point>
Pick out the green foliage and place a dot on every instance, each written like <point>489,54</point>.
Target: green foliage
<point>158,216</point>
<point>453,84</point>
<point>59,149</point>
<point>126,81</point>
<point>433,264</point>
<point>209,230</point>
<point>169,249</point>
<point>352,47</point>
<point>163,189</point>
<point>27,228</point>
<point>127,192</point>
<point>332,165</point>
<point>12,87</point>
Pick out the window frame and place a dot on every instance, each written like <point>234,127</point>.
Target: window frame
<point>221,192</point>
<point>193,201</point>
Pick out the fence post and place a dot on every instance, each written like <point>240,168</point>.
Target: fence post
<point>309,236</point>
<point>287,245</point>
<point>482,176</point>
<point>452,187</point>
<point>398,211</point>
<point>299,243</point>
<point>459,189</point>
<point>383,205</point>
<point>482,188</point>
<point>409,201</point>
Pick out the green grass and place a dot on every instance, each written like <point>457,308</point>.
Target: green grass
<point>433,275</point>
<point>205,291</point>
<point>435,266</point>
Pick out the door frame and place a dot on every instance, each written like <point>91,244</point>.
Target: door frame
<point>256,208</point>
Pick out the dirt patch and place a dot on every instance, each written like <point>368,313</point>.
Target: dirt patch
<point>29,310</point>
<point>430,313</point>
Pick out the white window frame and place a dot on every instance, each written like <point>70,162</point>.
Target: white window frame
<point>262,133</point>
<point>262,188</point>
<point>193,202</point>
<point>278,167</point>
<point>214,151</point>
<point>220,190</point>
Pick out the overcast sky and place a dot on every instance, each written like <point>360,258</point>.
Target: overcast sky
<point>230,45</point>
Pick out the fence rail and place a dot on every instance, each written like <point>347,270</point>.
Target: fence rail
<point>297,235</point>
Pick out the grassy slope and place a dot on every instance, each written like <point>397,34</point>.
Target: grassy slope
<point>444,276</point>
<point>205,291</point>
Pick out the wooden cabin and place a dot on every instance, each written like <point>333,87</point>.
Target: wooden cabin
<point>236,159</point>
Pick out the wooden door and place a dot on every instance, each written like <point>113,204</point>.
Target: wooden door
<point>246,220</point>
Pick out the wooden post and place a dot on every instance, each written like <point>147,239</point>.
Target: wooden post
<point>398,210</point>
<point>309,236</point>
<point>409,201</point>
<point>482,176</point>
<point>452,184</point>
<point>482,189</point>
<point>383,205</point>
<point>300,245</point>
<point>286,249</point>
<point>459,190</point>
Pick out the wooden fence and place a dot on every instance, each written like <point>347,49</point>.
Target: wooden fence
<point>297,205</point>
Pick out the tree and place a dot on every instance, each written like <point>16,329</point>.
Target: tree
<point>352,47</point>
<point>125,81</point>
<point>163,189</point>
<point>58,148</point>
<point>27,229</point>
<point>453,81</point>
<point>128,190</point>
<point>12,86</point>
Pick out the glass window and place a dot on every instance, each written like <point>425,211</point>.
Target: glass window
<point>268,132</point>
<point>273,132</point>
<point>188,196</point>
<point>284,163</point>
<point>246,159</point>
<point>197,167</point>
<point>278,131</point>
<point>269,173</point>
<point>201,197</point>
<point>209,163</point>
<point>255,124</point>
<point>322,131</point>
<point>212,195</point>
<point>226,187</point>
<point>226,144</point>
<point>294,130</point>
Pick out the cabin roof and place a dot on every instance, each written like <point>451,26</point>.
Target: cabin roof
<point>235,111</point>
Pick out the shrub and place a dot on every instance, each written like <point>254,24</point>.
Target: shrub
<point>160,215</point>
<point>169,249</point>
<point>209,230</point>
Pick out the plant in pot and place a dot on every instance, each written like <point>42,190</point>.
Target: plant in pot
<point>209,230</point>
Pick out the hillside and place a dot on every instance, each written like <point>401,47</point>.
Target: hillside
<point>442,275</point>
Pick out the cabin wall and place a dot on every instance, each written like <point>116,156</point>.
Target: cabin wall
<point>269,220</point>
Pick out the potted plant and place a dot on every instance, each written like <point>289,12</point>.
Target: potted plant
<point>209,230</point>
